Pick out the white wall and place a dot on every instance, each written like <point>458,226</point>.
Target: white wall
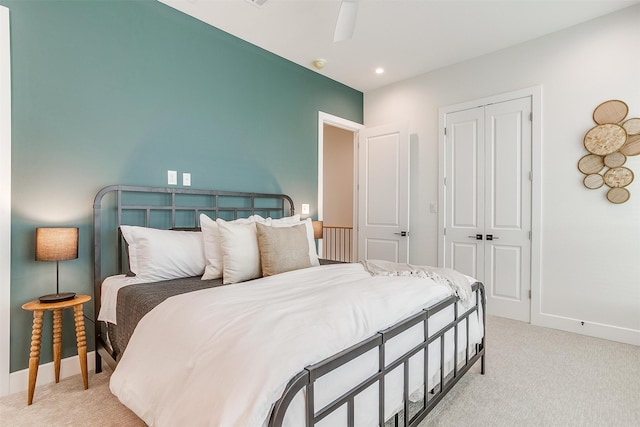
<point>5,198</point>
<point>590,248</point>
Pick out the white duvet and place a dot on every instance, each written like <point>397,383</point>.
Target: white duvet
<point>223,356</point>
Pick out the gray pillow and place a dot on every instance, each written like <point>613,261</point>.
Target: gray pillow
<point>282,248</point>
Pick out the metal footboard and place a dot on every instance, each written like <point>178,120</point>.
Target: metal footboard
<point>306,379</point>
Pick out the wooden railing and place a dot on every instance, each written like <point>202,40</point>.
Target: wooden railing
<point>337,243</point>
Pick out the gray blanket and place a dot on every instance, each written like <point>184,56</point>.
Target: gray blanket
<point>137,300</point>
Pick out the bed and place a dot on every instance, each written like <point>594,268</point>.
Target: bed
<point>277,350</point>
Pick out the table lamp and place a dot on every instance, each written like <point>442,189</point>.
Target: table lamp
<point>317,229</point>
<point>56,244</point>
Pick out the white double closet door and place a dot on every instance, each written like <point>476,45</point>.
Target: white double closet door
<point>487,191</point>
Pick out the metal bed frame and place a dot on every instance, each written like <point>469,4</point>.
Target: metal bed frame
<point>168,205</point>
<point>305,380</point>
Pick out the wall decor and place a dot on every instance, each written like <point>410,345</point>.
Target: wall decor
<point>609,143</point>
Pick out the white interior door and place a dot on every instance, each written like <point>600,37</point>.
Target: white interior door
<point>383,193</point>
<point>488,202</point>
<point>507,223</point>
<point>464,192</point>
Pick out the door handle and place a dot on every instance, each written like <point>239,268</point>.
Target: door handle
<point>402,233</point>
<point>477,237</point>
<point>492,237</point>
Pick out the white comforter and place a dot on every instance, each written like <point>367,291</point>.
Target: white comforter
<point>223,356</point>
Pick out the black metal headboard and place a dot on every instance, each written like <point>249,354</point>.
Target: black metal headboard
<point>168,208</point>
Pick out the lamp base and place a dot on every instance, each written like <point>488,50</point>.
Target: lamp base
<point>64,296</point>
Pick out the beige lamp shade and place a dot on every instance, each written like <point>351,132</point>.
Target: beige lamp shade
<point>317,229</point>
<point>56,244</point>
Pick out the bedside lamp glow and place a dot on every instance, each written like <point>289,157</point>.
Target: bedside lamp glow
<point>317,229</point>
<point>56,244</point>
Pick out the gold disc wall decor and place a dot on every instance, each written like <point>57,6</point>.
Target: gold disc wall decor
<point>614,160</point>
<point>591,163</point>
<point>609,143</point>
<point>593,181</point>
<point>632,126</point>
<point>612,111</point>
<point>618,195</point>
<point>632,146</point>
<point>618,177</point>
<point>605,139</point>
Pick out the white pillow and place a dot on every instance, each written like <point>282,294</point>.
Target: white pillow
<point>313,253</point>
<point>240,253</point>
<point>212,246</point>
<point>156,255</point>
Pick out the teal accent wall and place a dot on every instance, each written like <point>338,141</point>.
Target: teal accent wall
<point>118,92</point>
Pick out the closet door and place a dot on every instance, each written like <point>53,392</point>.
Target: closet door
<point>488,202</point>
<point>464,192</point>
<point>507,163</point>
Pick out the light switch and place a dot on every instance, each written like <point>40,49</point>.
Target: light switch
<point>186,179</point>
<point>172,177</point>
<point>305,209</point>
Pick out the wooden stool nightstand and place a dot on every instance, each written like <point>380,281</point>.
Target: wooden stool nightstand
<point>38,309</point>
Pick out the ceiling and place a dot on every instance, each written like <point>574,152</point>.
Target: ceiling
<point>405,37</point>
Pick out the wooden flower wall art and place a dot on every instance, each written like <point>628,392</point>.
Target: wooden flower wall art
<point>609,143</point>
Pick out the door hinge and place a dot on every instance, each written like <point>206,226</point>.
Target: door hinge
<point>445,231</point>
<point>529,234</point>
<point>445,131</point>
<point>530,176</point>
<point>531,116</point>
<point>529,293</point>
<point>445,180</point>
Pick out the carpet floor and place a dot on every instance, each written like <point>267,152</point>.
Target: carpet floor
<point>534,377</point>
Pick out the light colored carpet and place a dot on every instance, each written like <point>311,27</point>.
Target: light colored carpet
<point>543,377</point>
<point>535,377</point>
<point>68,404</point>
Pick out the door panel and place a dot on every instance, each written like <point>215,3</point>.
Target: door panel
<point>505,272</point>
<point>465,258</point>
<point>383,193</point>
<point>381,182</point>
<point>464,173</point>
<point>382,249</point>
<point>488,193</point>
<point>504,167</point>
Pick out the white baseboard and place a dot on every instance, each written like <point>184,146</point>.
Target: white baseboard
<point>592,329</point>
<point>70,366</point>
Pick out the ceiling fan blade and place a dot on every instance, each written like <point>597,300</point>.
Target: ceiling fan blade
<point>346,20</point>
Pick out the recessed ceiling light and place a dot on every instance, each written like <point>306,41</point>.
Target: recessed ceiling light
<point>379,70</point>
<point>319,63</point>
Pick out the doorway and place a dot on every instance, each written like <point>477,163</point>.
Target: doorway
<point>338,212</point>
<point>378,184</point>
<point>337,186</point>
